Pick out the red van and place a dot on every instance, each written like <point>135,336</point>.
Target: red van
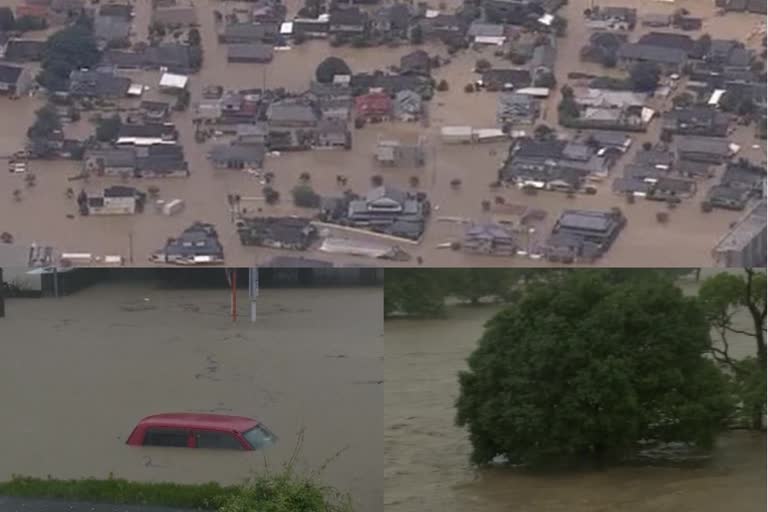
<point>193,430</point>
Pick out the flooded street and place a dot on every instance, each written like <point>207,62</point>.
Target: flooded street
<point>427,457</point>
<point>41,215</point>
<point>77,373</point>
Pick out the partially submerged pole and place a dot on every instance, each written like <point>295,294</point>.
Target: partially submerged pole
<point>2,295</point>
<point>253,290</point>
<point>234,294</point>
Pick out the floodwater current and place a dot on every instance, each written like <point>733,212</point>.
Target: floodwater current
<point>77,373</point>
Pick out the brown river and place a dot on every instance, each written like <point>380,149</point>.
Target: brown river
<point>426,456</point>
<point>41,215</point>
<point>77,373</point>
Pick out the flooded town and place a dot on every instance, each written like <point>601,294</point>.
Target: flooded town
<point>81,372</point>
<point>427,457</point>
<point>383,133</point>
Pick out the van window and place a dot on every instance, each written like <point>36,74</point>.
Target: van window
<point>220,440</point>
<point>166,437</point>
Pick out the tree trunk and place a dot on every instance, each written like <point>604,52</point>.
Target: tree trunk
<point>758,319</point>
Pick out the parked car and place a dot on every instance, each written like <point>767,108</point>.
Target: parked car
<point>193,430</point>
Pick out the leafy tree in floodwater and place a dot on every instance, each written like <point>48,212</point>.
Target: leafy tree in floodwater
<point>723,296</point>
<point>582,368</point>
<point>414,292</point>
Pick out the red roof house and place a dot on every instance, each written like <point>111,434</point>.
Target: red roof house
<point>373,105</point>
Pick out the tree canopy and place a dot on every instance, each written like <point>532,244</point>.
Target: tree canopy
<point>67,50</point>
<point>723,297</point>
<point>108,128</point>
<point>584,367</point>
<point>644,76</point>
<point>414,292</point>
<point>329,68</point>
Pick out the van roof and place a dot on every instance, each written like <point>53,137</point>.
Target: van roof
<point>199,420</point>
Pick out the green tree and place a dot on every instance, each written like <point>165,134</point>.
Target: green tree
<point>724,296</point>
<point>46,123</point>
<point>583,368</point>
<point>329,68</point>
<point>417,35</point>
<point>305,196</point>
<point>108,128</point>
<point>194,37</point>
<point>68,49</point>
<point>414,292</point>
<point>644,76</point>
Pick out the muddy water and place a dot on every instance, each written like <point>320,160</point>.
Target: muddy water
<point>41,215</point>
<point>427,456</point>
<point>77,373</point>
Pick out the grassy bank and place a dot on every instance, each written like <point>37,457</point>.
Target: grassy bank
<point>281,492</point>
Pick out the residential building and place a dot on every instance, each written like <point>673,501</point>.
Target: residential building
<point>407,106</point>
<point>656,20</point>
<point>416,62</point>
<point>293,233</point>
<point>14,80</point>
<point>198,244</point>
<point>514,109</point>
<point>110,162</point>
<point>490,239</point>
<point>252,53</point>
<point>237,156</point>
<point>723,196</point>
<point>176,16</point>
<point>506,79</point>
<point>98,84</point>
<point>612,18</point>
<point>696,121</point>
<point>584,235</point>
<point>671,40</point>
<point>393,19</point>
<point>391,211</point>
<point>249,33</point>
<point>703,149</point>
<point>290,113</point>
<point>393,153</point>
<point>115,200</point>
<point>375,106</point>
<point>333,133</point>
<point>350,21</point>
<point>671,60</point>
<point>112,30</point>
<point>24,50</point>
<point>146,134</point>
<point>744,246</point>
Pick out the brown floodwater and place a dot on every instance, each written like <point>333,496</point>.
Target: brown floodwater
<point>77,373</point>
<point>427,456</point>
<point>41,216</point>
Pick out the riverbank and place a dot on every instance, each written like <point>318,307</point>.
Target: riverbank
<point>281,492</point>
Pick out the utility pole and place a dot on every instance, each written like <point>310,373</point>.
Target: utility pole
<point>253,290</point>
<point>2,295</point>
<point>234,295</point>
<point>130,247</point>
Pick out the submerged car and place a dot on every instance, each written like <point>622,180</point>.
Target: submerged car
<point>193,430</point>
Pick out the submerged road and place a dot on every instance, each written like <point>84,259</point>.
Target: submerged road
<point>43,505</point>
